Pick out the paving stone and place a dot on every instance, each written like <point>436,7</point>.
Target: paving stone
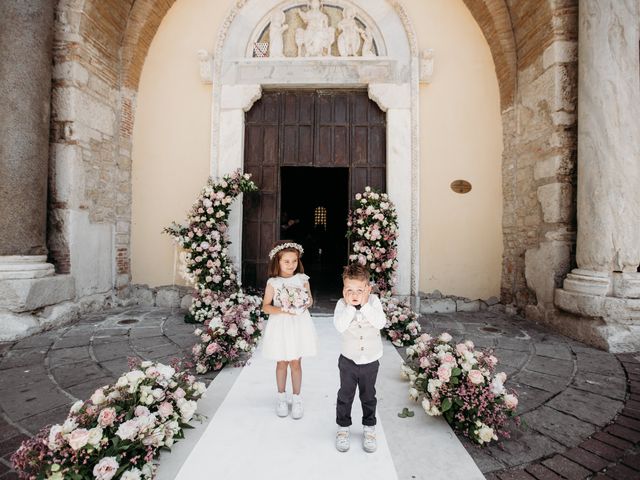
<point>38,342</point>
<point>512,358</point>
<point>31,400</point>
<point>542,381</point>
<point>587,459</point>
<point>631,413</point>
<point>72,340</point>
<point>632,461</point>
<point>19,376</point>
<point>22,358</point>
<point>7,430</point>
<point>530,398</point>
<point>553,366</point>
<point>80,373</point>
<point>565,467</point>
<point>84,390</point>
<point>628,422</point>
<point>3,469</point>
<point>599,362</point>
<point>561,427</point>
<point>540,472</point>
<point>109,351</point>
<point>485,462</point>
<point>614,441</point>
<point>586,406</point>
<point>554,350</point>
<point>69,355</point>
<point>625,433</point>
<point>9,446</point>
<point>607,386</point>
<point>524,447</point>
<point>10,476</point>
<point>117,366</point>
<point>35,423</point>
<point>515,475</point>
<point>141,332</point>
<point>602,449</point>
<point>622,472</point>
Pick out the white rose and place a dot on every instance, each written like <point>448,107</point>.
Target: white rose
<point>54,441</point>
<point>133,474</point>
<point>413,394</point>
<point>122,381</point>
<point>187,409</point>
<point>166,371</point>
<point>426,405</point>
<point>485,434</point>
<point>497,388</point>
<point>445,337</point>
<point>69,425</point>
<point>106,468</point>
<point>95,435</point>
<point>75,408</point>
<point>476,377</point>
<point>146,364</point>
<point>511,401</point>
<point>98,397</point>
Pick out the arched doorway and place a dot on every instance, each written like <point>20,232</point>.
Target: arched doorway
<point>310,152</point>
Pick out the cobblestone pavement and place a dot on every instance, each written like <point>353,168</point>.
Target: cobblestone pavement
<point>580,407</point>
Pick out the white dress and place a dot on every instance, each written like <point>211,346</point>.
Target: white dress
<point>289,337</point>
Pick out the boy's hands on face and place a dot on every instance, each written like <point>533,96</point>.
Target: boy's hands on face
<point>356,292</point>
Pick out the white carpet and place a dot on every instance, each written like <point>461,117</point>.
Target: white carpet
<point>244,439</point>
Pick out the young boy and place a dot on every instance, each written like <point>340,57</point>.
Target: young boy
<point>358,317</point>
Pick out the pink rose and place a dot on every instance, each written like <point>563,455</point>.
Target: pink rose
<point>476,377</point>
<point>165,409</point>
<point>444,373</point>
<point>179,393</point>
<point>212,348</point>
<point>78,438</point>
<point>107,417</point>
<point>424,362</point>
<point>461,348</point>
<point>141,411</point>
<point>106,468</point>
<point>449,359</point>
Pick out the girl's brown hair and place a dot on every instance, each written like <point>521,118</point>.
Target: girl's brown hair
<point>274,264</point>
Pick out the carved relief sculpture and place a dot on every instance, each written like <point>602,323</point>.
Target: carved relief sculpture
<point>349,39</point>
<point>317,38</point>
<point>367,45</point>
<point>276,29</point>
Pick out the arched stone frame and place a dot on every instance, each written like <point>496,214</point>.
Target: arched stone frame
<point>392,82</point>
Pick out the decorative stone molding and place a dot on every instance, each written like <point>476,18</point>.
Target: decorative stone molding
<point>206,66</point>
<point>24,266</point>
<point>426,66</point>
<point>240,97</point>
<point>390,96</point>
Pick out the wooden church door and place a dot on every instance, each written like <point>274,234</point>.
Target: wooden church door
<point>305,128</point>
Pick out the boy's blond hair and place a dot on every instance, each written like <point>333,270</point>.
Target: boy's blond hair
<point>355,271</point>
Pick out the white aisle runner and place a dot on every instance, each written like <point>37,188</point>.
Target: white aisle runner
<point>244,439</point>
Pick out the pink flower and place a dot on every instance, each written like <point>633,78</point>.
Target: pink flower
<point>424,362</point>
<point>165,409</point>
<point>212,348</point>
<point>444,373</point>
<point>179,393</point>
<point>105,468</point>
<point>511,401</point>
<point>476,377</point>
<point>106,417</point>
<point>78,438</point>
<point>448,359</point>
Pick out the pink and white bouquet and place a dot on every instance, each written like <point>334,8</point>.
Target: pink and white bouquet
<point>373,230</point>
<point>231,336</point>
<point>458,382</point>
<point>402,326</point>
<point>117,432</point>
<point>292,299</point>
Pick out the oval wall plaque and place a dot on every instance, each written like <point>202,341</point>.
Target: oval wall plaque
<point>460,186</point>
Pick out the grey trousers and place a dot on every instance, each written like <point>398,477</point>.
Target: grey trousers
<point>364,377</point>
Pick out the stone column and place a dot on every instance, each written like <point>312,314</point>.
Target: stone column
<point>26,34</point>
<point>27,281</point>
<point>606,283</point>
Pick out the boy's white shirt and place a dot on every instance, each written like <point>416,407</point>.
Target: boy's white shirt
<point>360,329</point>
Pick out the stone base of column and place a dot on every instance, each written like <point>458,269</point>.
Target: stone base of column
<point>618,319</point>
<point>24,266</point>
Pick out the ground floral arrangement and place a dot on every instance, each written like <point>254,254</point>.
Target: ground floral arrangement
<point>118,432</point>
<point>233,320</point>
<point>373,230</point>
<point>458,382</point>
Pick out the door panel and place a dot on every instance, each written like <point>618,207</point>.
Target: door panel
<point>321,128</point>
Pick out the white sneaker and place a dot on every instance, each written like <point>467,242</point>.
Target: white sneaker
<point>342,439</point>
<point>296,408</point>
<point>282,407</point>
<point>369,443</point>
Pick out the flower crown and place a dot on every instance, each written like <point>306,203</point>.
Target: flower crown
<point>275,250</point>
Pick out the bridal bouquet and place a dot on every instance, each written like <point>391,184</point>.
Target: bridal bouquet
<point>402,326</point>
<point>118,432</point>
<point>458,382</point>
<point>292,299</point>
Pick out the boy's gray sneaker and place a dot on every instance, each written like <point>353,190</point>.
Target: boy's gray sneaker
<point>369,443</point>
<point>342,439</point>
<point>282,407</point>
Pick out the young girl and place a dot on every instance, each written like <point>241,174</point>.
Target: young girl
<point>289,334</point>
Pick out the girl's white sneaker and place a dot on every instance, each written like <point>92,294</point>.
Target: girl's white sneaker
<point>296,408</point>
<point>342,439</point>
<point>282,407</point>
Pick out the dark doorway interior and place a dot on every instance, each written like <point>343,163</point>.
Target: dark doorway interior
<point>314,204</point>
